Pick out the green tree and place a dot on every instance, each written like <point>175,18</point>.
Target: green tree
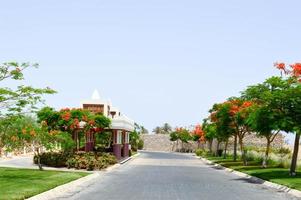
<point>157,130</point>
<point>23,131</point>
<point>210,132</point>
<point>166,128</point>
<point>174,137</point>
<point>15,102</point>
<point>73,122</point>
<point>22,98</point>
<point>266,119</point>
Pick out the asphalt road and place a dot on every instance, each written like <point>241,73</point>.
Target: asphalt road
<point>171,176</point>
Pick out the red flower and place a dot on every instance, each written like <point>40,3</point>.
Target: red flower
<point>280,66</point>
<point>14,138</point>
<point>32,133</point>
<point>66,116</point>
<point>91,122</point>
<point>247,104</point>
<point>296,69</point>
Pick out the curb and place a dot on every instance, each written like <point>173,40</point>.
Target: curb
<point>129,158</point>
<point>254,179</point>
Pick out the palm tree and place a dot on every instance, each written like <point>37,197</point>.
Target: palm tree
<point>143,130</point>
<point>166,128</point>
<point>157,130</point>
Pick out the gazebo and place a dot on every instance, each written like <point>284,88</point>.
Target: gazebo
<point>121,125</point>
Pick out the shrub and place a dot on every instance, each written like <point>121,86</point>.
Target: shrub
<point>284,152</point>
<point>140,144</point>
<point>80,160</point>
<point>53,159</point>
<point>91,161</point>
<point>199,152</point>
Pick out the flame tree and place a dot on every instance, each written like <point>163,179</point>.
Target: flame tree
<point>17,102</point>
<point>69,121</point>
<point>289,103</point>
<point>230,120</point>
<point>198,135</point>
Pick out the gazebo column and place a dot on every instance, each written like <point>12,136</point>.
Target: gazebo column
<point>125,137</point>
<point>89,141</point>
<point>116,143</point>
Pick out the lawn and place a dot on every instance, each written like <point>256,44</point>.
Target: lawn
<point>24,183</point>
<point>273,173</point>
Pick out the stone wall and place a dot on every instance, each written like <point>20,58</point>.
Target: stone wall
<point>161,142</point>
<point>158,142</point>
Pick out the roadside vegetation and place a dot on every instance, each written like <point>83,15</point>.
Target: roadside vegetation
<point>267,110</point>
<point>56,137</point>
<point>276,172</point>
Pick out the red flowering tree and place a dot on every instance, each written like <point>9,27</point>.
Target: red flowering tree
<point>24,131</point>
<point>289,102</point>
<point>76,122</point>
<point>198,135</point>
<point>16,100</point>
<point>220,117</point>
<point>230,119</point>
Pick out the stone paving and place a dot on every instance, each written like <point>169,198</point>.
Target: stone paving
<point>165,176</point>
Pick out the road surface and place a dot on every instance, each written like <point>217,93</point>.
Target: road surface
<point>170,176</point>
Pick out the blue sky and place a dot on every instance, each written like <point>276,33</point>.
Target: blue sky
<point>158,61</point>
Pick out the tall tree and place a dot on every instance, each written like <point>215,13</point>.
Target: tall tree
<point>166,128</point>
<point>266,119</point>
<point>157,130</point>
<point>22,98</point>
<point>16,100</point>
<point>289,102</point>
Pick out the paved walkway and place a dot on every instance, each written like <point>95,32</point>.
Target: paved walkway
<point>18,162</point>
<point>165,176</point>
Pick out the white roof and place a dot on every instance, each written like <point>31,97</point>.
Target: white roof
<point>123,123</point>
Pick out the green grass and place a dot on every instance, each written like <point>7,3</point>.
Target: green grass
<point>24,183</point>
<point>272,173</point>
<point>276,175</point>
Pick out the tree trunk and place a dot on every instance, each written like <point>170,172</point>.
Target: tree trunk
<point>266,156</point>
<point>182,146</point>
<point>243,155</point>
<point>235,148</point>
<point>295,155</point>
<point>210,146</point>
<point>217,148</point>
<point>39,159</point>
<point>225,150</point>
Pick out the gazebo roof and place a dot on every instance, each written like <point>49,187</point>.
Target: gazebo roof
<point>122,123</point>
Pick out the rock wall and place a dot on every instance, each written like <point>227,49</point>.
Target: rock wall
<point>158,142</point>
<point>161,142</point>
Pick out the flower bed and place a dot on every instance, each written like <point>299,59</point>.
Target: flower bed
<point>80,160</point>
